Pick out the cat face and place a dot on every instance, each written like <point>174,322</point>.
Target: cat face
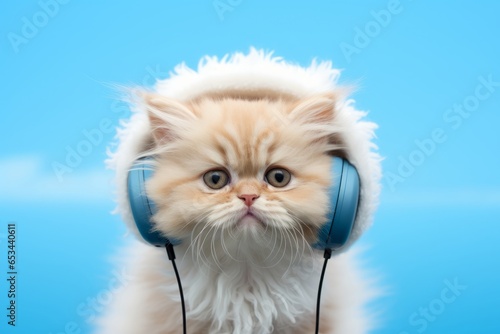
<point>255,170</point>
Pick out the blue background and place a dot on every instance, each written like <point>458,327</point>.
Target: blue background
<point>439,218</point>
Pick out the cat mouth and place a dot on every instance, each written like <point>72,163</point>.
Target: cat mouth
<point>250,220</point>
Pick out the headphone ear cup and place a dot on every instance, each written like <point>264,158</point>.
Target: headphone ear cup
<point>344,198</point>
<point>141,206</point>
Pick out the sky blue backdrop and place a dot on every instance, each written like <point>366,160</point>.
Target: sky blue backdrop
<point>413,61</point>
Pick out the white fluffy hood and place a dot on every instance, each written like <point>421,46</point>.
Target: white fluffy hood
<point>256,70</point>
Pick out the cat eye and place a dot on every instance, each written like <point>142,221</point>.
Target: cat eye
<point>278,177</point>
<point>216,179</point>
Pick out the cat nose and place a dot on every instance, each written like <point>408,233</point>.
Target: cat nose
<point>248,199</point>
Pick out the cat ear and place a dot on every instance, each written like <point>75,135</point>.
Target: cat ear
<point>167,117</point>
<point>317,110</point>
<point>316,115</point>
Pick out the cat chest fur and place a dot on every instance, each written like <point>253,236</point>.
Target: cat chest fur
<point>248,297</point>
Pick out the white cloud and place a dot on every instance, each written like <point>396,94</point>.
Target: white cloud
<point>22,179</point>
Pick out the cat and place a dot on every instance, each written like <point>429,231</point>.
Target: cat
<point>241,177</point>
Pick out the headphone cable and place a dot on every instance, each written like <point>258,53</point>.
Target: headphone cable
<point>171,255</point>
<point>326,255</point>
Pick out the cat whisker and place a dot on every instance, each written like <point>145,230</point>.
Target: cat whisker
<point>305,244</point>
<point>214,251</point>
<point>283,238</point>
<point>298,248</point>
<point>202,254</point>
<point>274,252</point>
<point>289,235</point>
<point>224,247</point>
<point>201,218</point>
<point>200,251</point>
<point>274,234</point>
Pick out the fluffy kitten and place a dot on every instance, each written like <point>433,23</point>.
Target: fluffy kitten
<point>242,181</point>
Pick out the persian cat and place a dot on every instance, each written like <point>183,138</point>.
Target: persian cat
<point>241,177</point>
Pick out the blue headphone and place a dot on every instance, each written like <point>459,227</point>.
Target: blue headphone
<point>343,194</point>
